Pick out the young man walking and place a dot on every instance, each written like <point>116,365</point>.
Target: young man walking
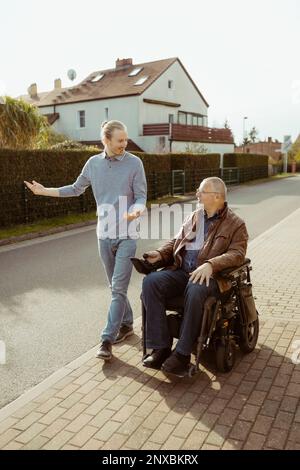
<point>119,186</point>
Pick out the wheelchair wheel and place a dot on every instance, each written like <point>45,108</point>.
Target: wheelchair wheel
<point>248,337</point>
<point>225,355</point>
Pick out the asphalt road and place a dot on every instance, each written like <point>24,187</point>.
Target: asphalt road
<point>54,296</point>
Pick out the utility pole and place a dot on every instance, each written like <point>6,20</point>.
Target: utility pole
<point>244,120</point>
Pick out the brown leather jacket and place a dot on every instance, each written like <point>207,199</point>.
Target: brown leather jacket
<point>225,245</point>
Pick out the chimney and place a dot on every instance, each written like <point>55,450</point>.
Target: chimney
<point>32,90</point>
<point>269,140</point>
<point>57,84</point>
<point>123,63</point>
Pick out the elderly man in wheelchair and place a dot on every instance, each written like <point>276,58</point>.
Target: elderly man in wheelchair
<point>206,280</point>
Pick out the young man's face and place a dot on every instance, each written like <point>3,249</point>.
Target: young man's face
<point>118,142</point>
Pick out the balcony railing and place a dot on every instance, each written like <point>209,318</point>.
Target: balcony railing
<point>181,132</point>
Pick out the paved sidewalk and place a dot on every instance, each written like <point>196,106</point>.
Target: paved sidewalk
<point>122,405</point>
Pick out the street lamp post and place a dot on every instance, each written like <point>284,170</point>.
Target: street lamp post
<point>244,120</point>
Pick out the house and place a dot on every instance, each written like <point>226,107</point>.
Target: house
<point>267,147</point>
<point>160,103</point>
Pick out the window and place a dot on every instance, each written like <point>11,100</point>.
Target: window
<point>170,84</point>
<point>162,143</point>
<point>171,118</point>
<point>181,118</point>
<point>106,114</point>
<point>81,118</point>
<point>97,77</point>
<point>135,71</point>
<point>141,81</point>
<point>191,119</point>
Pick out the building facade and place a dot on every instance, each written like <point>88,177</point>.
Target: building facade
<point>161,105</point>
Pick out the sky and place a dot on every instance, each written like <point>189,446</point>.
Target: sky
<point>241,54</point>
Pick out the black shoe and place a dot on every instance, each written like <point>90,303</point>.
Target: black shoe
<point>105,351</point>
<point>124,332</point>
<point>156,358</point>
<point>176,364</point>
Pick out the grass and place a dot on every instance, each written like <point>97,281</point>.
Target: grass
<point>46,224</point>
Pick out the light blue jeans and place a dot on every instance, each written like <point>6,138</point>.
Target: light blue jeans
<point>115,255</point>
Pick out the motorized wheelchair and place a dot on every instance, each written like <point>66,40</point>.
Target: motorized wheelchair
<point>229,321</point>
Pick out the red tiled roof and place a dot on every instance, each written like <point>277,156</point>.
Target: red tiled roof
<point>115,83</point>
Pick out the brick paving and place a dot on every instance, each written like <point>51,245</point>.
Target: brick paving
<point>122,405</point>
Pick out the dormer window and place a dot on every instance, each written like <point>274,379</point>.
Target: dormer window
<point>141,81</point>
<point>135,71</point>
<point>97,77</point>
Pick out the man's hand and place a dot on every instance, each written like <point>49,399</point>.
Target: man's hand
<point>152,256</point>
<point>132,215</point>
<point>37,188</point>
<point>201,274</point>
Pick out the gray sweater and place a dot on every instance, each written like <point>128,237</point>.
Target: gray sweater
<point>119,186</point>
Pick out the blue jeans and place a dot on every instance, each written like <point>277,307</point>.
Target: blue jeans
<point>115,255</point>
<point>162,285</point>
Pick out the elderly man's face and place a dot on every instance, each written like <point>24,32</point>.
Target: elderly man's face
<point>206,195</point>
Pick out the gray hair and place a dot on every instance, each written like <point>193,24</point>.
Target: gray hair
<point>217,185</point>
<point>107,128</point>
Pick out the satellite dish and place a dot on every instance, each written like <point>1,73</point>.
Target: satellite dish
<point>71,74</point>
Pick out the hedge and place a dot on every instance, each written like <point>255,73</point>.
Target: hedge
<point>55,168</point>
<point>244,160</point>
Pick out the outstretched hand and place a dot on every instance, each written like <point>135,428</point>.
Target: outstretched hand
<point>201,274</point>
<point>132,215</point>
<point>37,188</point>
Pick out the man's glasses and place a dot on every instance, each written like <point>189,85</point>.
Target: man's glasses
<point>206,192</point>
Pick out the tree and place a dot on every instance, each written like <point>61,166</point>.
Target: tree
<point>226,124</point>
<point>21,125</point>
<point>253,135</point>
<point>246,141</point>
<point>294,153</point>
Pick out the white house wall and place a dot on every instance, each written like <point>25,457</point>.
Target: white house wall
<point>183,92</point>
<point>151,144</point>
<point>123,109</point>
<point>211,148</point>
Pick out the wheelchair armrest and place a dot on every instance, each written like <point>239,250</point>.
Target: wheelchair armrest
<point>143,266</point>
<point>234,271</point>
